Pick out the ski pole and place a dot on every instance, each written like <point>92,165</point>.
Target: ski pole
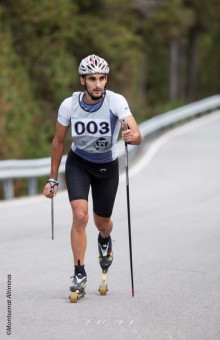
<point>128,209</point>
<point>52,214</point>
<point>52,182</point>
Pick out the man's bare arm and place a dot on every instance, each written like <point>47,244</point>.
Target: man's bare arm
<point>57,150</point>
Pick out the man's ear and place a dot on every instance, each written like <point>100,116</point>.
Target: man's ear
<point>82,80</point>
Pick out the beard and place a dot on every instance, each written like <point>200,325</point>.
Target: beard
<point>93,96</point>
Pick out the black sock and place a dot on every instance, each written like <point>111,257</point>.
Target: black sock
<point>104,240</point>
<point>80,270</point>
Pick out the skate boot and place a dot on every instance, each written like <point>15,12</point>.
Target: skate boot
<point>105,260</point>
<point>105,252</point>
<point>77,288</point>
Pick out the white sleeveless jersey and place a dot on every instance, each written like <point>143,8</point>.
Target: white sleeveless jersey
<point>95,128</point>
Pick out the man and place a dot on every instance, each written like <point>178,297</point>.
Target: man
<point>95,116</point>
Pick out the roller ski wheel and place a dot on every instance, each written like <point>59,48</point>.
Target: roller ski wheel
<point>75,296</point>
<point>77,288</point>
<point>103,288</point>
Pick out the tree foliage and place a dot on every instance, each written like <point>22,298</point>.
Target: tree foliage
<point>161,54</point>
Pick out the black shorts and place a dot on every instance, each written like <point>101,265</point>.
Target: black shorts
<point>102,177</point>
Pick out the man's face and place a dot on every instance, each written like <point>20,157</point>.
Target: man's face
<point>95,84</point>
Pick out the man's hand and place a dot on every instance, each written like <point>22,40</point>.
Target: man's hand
<point>127,136</point>
<point>50,188</point>
<point>131,133</point>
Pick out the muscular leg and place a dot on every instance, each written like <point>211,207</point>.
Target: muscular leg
<point>103,224</point>
<point>78,231</point>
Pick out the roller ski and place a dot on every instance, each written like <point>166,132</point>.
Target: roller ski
<point>103,288</point>
<point>77,288</point>
<point>105,260</point>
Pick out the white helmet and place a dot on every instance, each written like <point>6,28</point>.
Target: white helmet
<point>93,64</point>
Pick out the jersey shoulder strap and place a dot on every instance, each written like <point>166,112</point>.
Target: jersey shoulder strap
<point>75,103</point>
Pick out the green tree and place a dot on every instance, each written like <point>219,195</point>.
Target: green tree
<point>21,132</point>
<point>206,20</point>
<point>161,53</point>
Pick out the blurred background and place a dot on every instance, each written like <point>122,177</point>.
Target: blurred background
<point>162,54</point>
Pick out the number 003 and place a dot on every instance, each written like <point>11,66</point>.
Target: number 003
<point>91,127</point>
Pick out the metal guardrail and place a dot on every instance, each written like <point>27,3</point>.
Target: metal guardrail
<point>35,168</point>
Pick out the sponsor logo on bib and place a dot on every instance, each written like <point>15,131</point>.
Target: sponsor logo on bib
<point>101,144</point>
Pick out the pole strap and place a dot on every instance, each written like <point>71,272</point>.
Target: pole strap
<point>52,182</point>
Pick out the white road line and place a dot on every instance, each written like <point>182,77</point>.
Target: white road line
<point>158,143</point>
<point>139,165</point>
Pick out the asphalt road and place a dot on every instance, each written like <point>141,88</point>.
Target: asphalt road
<point>175,219</point>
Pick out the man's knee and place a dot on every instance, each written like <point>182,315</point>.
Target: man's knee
<point>102,223</point>
<point>80,215</point>
<point>80,218</point>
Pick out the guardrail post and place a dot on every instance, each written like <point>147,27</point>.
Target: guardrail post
<point>32,186</point>
<point>8,187</point>
<point>34,168</point>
